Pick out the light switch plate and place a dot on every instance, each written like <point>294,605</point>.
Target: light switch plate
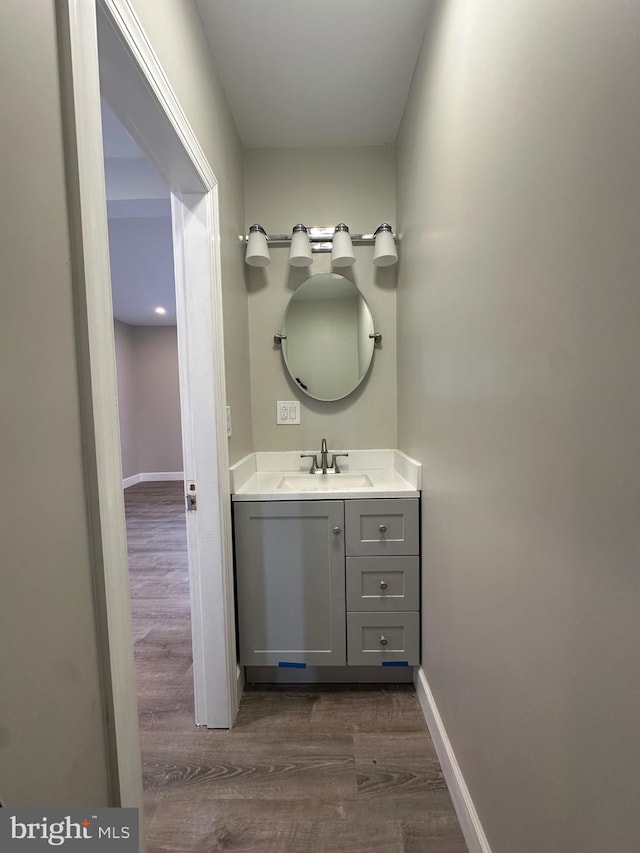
<point>287,412</point>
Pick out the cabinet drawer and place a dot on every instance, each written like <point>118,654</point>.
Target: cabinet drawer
<point>382,527</point>
<point>378,638</point>
<point>382,583</point>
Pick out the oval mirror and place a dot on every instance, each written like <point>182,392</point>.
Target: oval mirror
<point>328,345</point>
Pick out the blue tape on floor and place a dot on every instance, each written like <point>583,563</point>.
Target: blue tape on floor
<point>395,663</point>
<point>285,663</point>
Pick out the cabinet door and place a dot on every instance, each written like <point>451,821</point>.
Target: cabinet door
<point>290,582</point>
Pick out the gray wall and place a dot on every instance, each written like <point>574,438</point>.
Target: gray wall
<point>159,436</point>
<point>320,187</point>
<point>52,748</point>
<point>175,31</point>
<point>148,398</point>
<point>518,312</point>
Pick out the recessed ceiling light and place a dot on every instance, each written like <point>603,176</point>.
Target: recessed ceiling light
<point>161,310</point>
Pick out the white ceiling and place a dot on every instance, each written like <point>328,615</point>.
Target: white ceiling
<point>300,73</point>
<point>141,256</point>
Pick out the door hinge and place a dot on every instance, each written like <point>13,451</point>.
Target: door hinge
<point>190,498</point>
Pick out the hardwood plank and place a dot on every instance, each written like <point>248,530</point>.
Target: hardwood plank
<point>389,708</point>
<point>261,826</point>
<point>414,840</point>
<point>404,763</point>
<point>266,709</point>
<point>299,826</point>
<point>410,749</point>
<point>248,765</point>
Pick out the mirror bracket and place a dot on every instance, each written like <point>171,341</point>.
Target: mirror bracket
<point>277,339</point>
<point>377,337</point>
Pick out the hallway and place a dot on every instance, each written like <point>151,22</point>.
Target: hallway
<point>305,768</point>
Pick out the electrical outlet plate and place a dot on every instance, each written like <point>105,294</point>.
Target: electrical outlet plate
<point>287,412</point>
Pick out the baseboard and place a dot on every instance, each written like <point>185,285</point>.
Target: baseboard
<point>152,477</point>
<point>329,675</point>
<point>463,804</point>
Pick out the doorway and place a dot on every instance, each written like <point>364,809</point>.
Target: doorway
<point>135,88</point>
<point>146,349</point>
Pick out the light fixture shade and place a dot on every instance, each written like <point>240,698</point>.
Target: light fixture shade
<point>342,254</point>
<point>257,250</point>
<point>300,251</point>
<point>384,252</point>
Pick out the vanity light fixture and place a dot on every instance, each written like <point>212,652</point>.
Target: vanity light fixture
<point>257,254</point>
<point>342,254</point>
<point>305,241</point>
<point>384,253</point>
<point>300,251</point>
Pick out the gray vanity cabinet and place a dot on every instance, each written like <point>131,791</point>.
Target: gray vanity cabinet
<point>290,582</point>
<point>297,561</point>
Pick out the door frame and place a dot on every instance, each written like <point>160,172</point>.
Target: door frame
<point>216,680</point>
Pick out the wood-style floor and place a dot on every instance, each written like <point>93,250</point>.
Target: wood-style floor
<point>306,769</point>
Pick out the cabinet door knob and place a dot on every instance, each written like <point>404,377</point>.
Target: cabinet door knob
<point>383,584</point>
<point>383,528</point>
<point>383,640</point>
<point>337,531</point>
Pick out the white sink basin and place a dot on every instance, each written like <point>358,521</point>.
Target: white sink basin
<point>324,482</point>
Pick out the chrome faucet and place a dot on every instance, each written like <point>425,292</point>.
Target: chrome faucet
<point>324,461</point>
<point>324,465</point>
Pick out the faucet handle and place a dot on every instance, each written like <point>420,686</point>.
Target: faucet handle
<point>314,462</point>
<point>334,461</point>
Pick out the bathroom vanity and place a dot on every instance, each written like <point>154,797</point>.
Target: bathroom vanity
<point>327,565</point>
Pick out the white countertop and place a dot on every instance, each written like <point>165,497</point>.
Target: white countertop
<point>274,476</point>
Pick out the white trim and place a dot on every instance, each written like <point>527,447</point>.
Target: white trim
<point>239,679</point>
<point>201,361</point>
<point>96,357</point>
<point>463,804</point>
<point>96,364</point>
<point>152,477</point>
<point>161,476</point>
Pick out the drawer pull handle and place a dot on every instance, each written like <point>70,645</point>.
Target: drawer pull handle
<point>383,528</point>
<point>383,640</point>
<point>337,531</point>
<point>383,584</point>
